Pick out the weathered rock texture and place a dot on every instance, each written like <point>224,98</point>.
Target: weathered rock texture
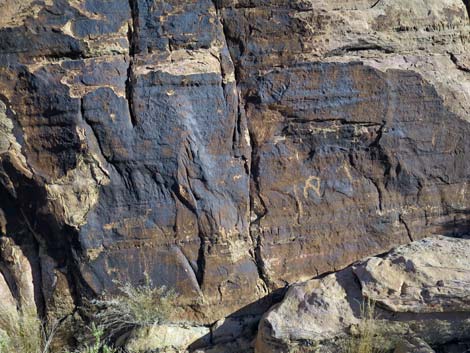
<point>421,290</point>
<point>227,148</point>
<point>414,345</point>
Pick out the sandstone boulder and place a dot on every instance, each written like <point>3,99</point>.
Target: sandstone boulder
<point>418,290</point>
<point>414,345</point>
<point>166,338</point>
<point>16,277</point>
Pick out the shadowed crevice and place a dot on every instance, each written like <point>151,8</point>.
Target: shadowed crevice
<point>132,36</point>
<point>467,6</point>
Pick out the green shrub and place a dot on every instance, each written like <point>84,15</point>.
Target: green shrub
<point>98,346</point>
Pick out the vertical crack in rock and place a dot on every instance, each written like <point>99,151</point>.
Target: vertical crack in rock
<point>260,265</point>
<point>408,231</point>
<point>250,166</point>
<point>189,265</point>
<point>373,181</point>
<point>254,224</point>
<point>379,193</point>
<point>201,261</point>
<point>375,4</point>
<point>133,33</point>
<point>256,239</point>
<point>132,36</point>
<point>130,92</point>
<point>238,133</point>
<point>456,62</point>
<point>383,159</point>
<point>99,143</point>
<point>201,256</point>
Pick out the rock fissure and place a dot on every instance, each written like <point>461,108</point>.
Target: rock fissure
<point>375,4</point>
<point>407,228</point>
<point>379,193</point>
<point>253,224</point>
<point>133,28</point>
<point>260,265</point>
<point>296,119</point>
<point>467,7</point>
<point>99,143</point>
<point>201,260</point>
<point>456,62</point>
<point>360,47</point>
<point>130,93</point>
<point>132,37</point>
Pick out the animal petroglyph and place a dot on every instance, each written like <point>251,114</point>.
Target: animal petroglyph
<point>312,183</point>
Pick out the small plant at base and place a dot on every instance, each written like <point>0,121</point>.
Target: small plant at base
<point>369,338</point>
<point>135,306</point>
<point>98,346</point>
<point>145,304</point>
<point>23,332</point>
<point>3,341</point>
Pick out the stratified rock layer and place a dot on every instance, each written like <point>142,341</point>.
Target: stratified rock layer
<point>227,148</point>
<point>420,290</point>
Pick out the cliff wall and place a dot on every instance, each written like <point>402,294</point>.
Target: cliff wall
<point>226,149</point>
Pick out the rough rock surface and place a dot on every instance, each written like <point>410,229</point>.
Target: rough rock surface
<point>415,345</point>
<point>230,147</point>
<point>166,338</point>
<point>420,290</point>
<point>16,280</point>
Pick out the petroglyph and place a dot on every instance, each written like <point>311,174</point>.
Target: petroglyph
<point>312,183</point>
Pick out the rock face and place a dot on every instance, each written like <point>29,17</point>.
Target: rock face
<point>413,346</point>
<point>16,281</point>
<point>420,290</point>
<point>227,148</point>
<point>166,338</point>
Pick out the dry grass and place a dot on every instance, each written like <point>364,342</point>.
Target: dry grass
<point>368,338</point>
<point>145,304</point>
<point>112,318</point>
<point>23,332</point>
<point>135,306</point>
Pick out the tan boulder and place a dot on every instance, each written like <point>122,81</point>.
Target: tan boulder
<point>414,345</point>
<point>166,337</point>
<point>417,290</point>
<point>428,276</point>
<point>15,267</point>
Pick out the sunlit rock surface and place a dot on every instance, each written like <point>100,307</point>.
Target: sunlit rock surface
<point>419,290</point>
<point>227,148</point>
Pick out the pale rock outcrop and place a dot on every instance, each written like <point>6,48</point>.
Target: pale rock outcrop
<point>15,269</point>
<point>428,276</point>
<point>166,338</point>
<point>420,290</point>
<point>413,345</point>
<point>7,301</point>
